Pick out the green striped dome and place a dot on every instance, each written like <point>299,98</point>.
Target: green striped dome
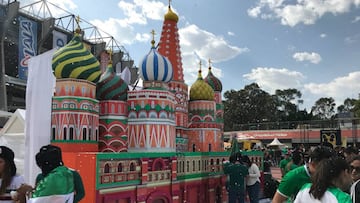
<point>213,81</point>
<point>110,86</point>
<point>75,61</point>
<point>200,90</point>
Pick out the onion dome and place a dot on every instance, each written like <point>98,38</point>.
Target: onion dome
<point>200,90</point>
<point>213,81</point>
<point>110,86</point>
<point>170,15</point>
<point>155,67</point>
<point>75,61</point>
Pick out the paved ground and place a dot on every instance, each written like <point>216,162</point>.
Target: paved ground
<point>276,173</point>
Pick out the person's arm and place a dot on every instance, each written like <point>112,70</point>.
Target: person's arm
<point>78,186</point>
<point>255,172</point>
<point>278,198</point>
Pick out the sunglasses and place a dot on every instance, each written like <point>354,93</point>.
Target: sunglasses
<point>357,169</point>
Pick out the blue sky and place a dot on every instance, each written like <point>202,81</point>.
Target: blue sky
<point>310,45</point>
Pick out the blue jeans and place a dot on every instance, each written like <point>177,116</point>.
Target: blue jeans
<point>236,195</point>
<point>253,192</point>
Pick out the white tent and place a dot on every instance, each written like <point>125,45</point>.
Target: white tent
<point>275,143</point>
<point>12,136</point>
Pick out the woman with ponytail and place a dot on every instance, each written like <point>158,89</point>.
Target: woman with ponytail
<point>331,178</point>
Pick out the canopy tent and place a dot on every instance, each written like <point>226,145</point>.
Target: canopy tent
<point>12,136</point>
<point>276,143</point>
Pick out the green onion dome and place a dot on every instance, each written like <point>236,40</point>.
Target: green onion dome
<point>213,81</point>
<point>200,90</point>
<point>110,86</point>
<point>75,61</point>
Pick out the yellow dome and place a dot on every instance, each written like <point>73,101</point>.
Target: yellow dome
<point>170,15</point>
<point>200,90</point>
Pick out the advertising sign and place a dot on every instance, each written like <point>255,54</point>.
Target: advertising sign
<point>27,44</point>
<point>332,137</point>
<point>59,39</point>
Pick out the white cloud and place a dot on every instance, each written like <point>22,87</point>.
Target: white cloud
<point>340,88</point>
<point>323,35</point>
<point>357,19</point>
<point>352,39</point>
<point>305,56</point>
<point>302,11</point>
<point>271,79</point>
<point>231,33</point>
<point>197,44</point>
<point>254,12</point>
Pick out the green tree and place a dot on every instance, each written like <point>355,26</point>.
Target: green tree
<point>288,101</point>
<point>248,105</point>
<point>348,106</point>
<point>324,108</point>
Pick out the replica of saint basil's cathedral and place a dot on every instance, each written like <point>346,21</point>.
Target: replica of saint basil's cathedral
<point>153,145</point>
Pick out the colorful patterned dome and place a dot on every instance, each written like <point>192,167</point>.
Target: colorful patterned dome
<point>110,86</point>
<point>155,67</point>
<point>75,61</point>
<point>213,81</point>
<point>200,90</point>
<point>170,15</point>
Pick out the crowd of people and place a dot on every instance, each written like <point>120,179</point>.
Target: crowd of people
<point>318,174</point>
<point>56,183</point>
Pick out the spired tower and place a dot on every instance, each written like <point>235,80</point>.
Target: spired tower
<point>75,111</point>
<point>169,47</point>
<point>151,119</point>
<point>112,92</point>
<point>216,85</point>
<point>204,134</point>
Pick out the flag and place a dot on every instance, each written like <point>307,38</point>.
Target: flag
<point>234,146</point>
<point>126,75</point>
<point>59,39</point>
<point>56,187</point>
<point>39,92</point>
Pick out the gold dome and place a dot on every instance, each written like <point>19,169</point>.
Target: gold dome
<point>200,90</point>
<point>170,15</point>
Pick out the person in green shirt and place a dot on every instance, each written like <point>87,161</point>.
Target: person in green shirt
<point>284,162</point>
<point>79,192</point>
<point>330,180</point>
<point>292,182</point>
<point>237,173</point>
<point>296,160</point>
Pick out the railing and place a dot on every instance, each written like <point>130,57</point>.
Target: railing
<point>159,176</point>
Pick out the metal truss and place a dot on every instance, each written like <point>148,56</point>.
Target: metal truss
<point>65,20</point>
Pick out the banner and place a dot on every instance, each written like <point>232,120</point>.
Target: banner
<point>27,44</point>
<point>59,39</point>
<point>332,137</point>
<point>39,91</point>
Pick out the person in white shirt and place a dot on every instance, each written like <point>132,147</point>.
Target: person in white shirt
<point>253,180</point>
<point>331,179</point>
<point>9,180</point>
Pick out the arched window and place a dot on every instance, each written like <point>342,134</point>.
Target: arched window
<point>71,129</point>
<point>120,168</point>
<point>209,147</point>
<point>199,165</point>
<point>65,133</point>
<point>132,167</point>
<point>53,132</point>
<point>193,147</point>
<point>193,167</point>
<point>107,168</point>
<point>158,166</point>
<point>84,133</point>
<point>187,166</point>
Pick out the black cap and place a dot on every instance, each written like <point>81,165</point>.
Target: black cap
<point>48,158</point>
<point>8,155</point>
